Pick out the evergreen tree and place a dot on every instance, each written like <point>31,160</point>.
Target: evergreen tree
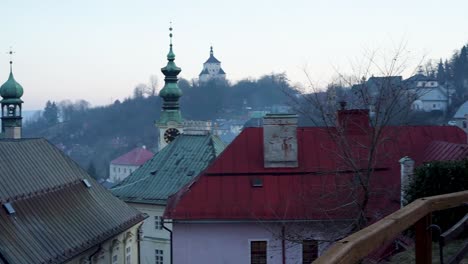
<point>50,113</point>
<point>92,170</point>
<point>441,72</point>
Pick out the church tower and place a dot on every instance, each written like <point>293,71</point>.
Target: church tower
<point>211,69</point>
<point>170,124</point>
<point>11,104</point>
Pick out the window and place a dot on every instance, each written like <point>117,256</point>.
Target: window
<point>464,124</point>
<point>115,259</point>
<point>258,252</point>
<point>434,106</point>
<point>159,256</point>
<point>157,223</point>
<point>128,255</point>
<point>309,251</point>
<point>119,169</point>
<point>114,169</point>
<point>125,170</point>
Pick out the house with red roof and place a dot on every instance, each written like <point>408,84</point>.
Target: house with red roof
<point>282,193</point>
<point>124,165</point>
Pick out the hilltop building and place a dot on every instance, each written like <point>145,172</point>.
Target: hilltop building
<point>51,210</point>
<point>430,95</point>
<point>124,165</point>
<point>281,193</point>
<point>187,148</point>
<point>211,69</point>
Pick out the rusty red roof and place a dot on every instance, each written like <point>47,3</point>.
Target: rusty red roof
<point>316,189</point>
<point>442,151</point>
<point>136,157</point>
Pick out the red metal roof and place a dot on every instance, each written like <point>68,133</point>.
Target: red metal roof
<point>136,157</point>
<point>440,150</point>
<point>316,189</point>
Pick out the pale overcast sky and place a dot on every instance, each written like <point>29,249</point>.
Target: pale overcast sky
<point>99,50</point>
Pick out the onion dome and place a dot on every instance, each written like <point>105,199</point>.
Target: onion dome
<point>171,91</point>
<point>11,90</point>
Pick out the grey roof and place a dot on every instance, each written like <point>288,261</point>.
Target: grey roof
<point>56,216</point>
<point>204,71</point>
<point>170,169</point>
<point>462,111</point>
<point>212,59</point>
<point>221,71</point>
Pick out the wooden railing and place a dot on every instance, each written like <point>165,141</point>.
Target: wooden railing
<point>418,213</point>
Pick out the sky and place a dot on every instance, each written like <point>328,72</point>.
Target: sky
<point>99,50</point>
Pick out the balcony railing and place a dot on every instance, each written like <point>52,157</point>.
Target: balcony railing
<point>418,214</point>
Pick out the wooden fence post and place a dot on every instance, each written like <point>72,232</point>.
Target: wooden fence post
<point>423,240</point>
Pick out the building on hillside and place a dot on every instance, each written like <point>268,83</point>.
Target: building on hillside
<point>212,69</point>
<point>124,165</point>
<point>460,119</point>
<point>183,157</point>
<point>280,194</point>
<point>429,94</point>
<point>52,211</point>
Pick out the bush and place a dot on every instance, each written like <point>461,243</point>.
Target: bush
<point>440,178</point>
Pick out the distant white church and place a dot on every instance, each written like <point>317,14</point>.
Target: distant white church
<point>211,69</point>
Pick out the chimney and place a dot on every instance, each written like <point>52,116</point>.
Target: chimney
<point>353,121</point>
<point>280,141</point>
<point>407,170</point>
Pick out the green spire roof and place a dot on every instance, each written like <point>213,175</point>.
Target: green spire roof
<point>170,92</point>
<point>11,91</point>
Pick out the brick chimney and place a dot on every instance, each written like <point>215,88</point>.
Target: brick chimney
<point>353,121</point>
<point>280,140</point>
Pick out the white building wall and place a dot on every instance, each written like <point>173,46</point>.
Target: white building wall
<point>154,237</point>
<point>113,249</point>
<point>119,172</point>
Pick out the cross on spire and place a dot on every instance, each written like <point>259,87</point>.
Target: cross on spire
<point>170,31</point>
<point>11,52</point>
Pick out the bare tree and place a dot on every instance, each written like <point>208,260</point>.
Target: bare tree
<point>153,85</point>
<point>358,145</point>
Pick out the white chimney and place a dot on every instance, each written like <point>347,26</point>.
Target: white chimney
<point>407,170</point>
<point>280,140</point>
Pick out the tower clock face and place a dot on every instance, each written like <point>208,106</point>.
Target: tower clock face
<point>171,134</point>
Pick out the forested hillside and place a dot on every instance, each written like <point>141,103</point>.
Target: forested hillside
<point>95,136</point>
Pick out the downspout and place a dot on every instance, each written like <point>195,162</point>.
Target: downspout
<point>90,259</point>
<point>140,236</point>
<point>283,243</point>
<point>170,237</point>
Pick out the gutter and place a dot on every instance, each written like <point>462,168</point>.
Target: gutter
<point>170,233</point>
<point>140,235</point>
<point>252,221</point>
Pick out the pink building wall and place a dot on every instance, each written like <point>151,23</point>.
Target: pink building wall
<point>229,243</point>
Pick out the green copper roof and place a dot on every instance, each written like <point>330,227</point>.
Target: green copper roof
<point>11,91</point>
<point>170,92</point>
<point>170,169</point>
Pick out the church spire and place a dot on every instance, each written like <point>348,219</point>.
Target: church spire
<point>171,92</point>
<point>11,103</point>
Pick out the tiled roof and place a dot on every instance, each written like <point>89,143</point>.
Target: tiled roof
<point>444,151</point>
<point>135,157</point>
<point>317,189</point>
<point>57,217</point>
<point>169,169</point>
